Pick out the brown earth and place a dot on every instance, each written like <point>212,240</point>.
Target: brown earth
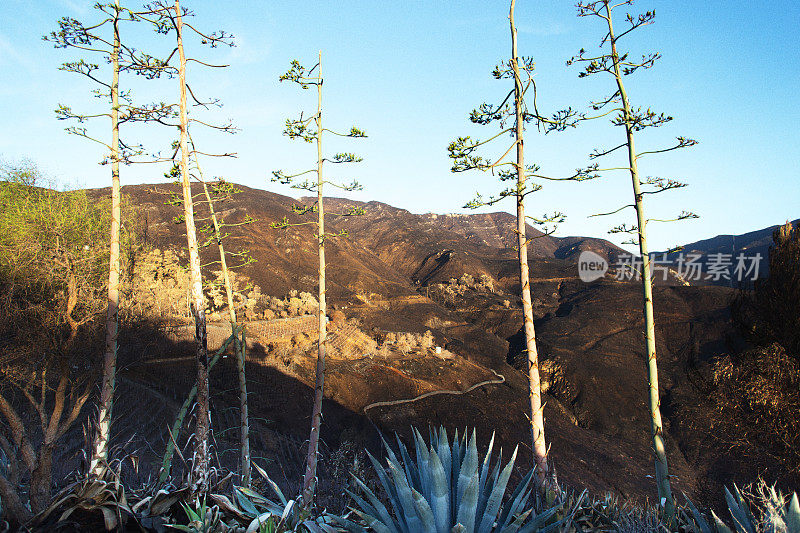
<point>384,275</point>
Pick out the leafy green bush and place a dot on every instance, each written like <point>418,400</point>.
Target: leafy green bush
<point>54,248</point>
<point>53,254</point>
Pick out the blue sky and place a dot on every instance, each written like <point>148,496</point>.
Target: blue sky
<point>409,73</point>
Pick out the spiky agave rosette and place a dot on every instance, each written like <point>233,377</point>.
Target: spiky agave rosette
<point>448,488</point>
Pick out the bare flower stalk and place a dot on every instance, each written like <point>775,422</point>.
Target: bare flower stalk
<point>534,381</point>
<point>310,476</point>
<point>514,169</point>
<point>238,343</point>
<point>654,400</point>
<point>165,17</point>
<point>122,58</point>
<point>200,465</point>
<point>169,452</point>
<point>103,432</point>
<point>635,119</point>
<point>299,129</point>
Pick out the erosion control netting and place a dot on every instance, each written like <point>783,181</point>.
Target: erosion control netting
<point>157,375</point>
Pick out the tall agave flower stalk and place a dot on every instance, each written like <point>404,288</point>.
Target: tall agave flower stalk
<point>167,16</point>
<point>634,119</point>
<point>103,432</point>
<point>511,113</point>
<point>301,129</point>
<point>239,344</point>
<point>92,39</point>
<point>200,466</point>
<point>534,380</point>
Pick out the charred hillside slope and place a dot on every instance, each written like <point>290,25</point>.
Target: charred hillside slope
<point>396,271</point>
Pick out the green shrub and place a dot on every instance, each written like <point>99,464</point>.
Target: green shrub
<point>51,240</point>
<point>54,249</point>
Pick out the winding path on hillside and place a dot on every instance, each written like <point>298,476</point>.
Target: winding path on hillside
<point>499,379</point>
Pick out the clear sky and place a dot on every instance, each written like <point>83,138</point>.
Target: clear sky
<point>409,72</point>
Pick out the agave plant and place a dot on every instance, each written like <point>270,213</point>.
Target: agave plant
<point>265,515</point>
<point>89,496</point>
<point>448,489</point>
<point>776,515</point>
<point>203,519</point>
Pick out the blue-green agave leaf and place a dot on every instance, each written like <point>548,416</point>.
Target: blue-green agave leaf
<point>738,509</point>
<point>792,518</point>
<point>424,512</point>
<point>405,498</point>
<point>440,495</point>
<point>377,506</point>
<point>469,503</point>
<point>516,523</point>
<point>698,517</point>
<point>391,491</point>
<point>720,525</point>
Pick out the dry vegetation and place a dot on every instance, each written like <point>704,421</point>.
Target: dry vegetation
<point>755,403</point>
<point>754,397</point>
<point>448,293</point>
